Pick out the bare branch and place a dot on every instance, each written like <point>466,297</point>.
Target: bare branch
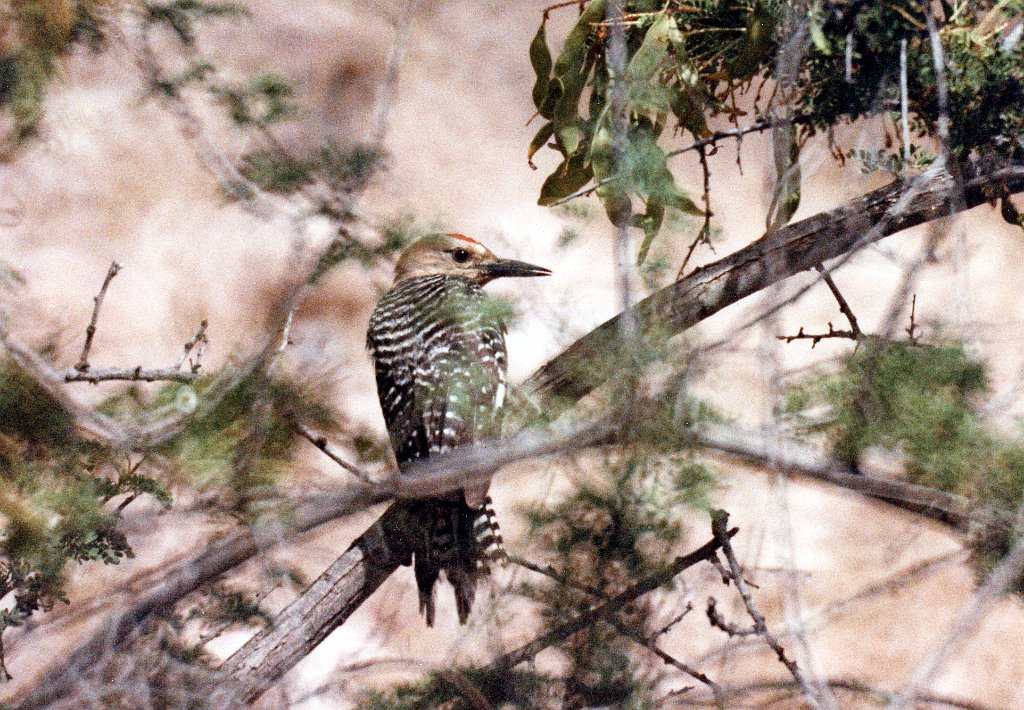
<point>128,374</point>
<point>719,523</point>
<point>320,441</point>
<point>799,458</point>
<point>816,338</point>
<point>911,329</point>
<point>635,636</point>
<point>197,342</point>
<point>626,630</point>
<point>611,606</point>
<point>844,307</point>
<point>90,330</point>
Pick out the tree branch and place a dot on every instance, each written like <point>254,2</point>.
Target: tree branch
<point>90,330</point>
<point>799,458</point>
<point>347,583</point>
<point>612,605</point>
<point>772,258</point>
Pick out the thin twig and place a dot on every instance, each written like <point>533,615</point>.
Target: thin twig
<point>911,329</point>
<point>90,330</point>
<point>198,340</point>
<point>704,235</point>
<point>636,637</point>
<point>128,374</point>
<point>844,307</point>
<point>816,338</point>
<point>320,441</point>
<point>719,523</point>
<point>612,605</point>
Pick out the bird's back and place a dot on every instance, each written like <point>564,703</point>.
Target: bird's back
<point>438,348</point>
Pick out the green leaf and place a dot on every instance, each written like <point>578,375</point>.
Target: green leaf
<point>652,52</point>
<point>551,99</point>
<point>756,46</point>
<point>602,151</point>
<point>816,27</point>
<point>649,173</point>
<point>542,137</point>
<point>540,59</point>
<point>571,175</point>
<point>786,199</point>
<point>650,222</point>
<point>571,71</point>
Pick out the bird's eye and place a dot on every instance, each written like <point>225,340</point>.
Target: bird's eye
<point>461,256</point>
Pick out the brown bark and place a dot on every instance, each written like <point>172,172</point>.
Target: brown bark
<point>772,258</point>
<point>318,611</point>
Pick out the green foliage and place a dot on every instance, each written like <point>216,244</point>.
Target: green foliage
<point>181,16</point>
<point>690,62</point>
<point>507,689</point>
<point>264,99</point>
<point>51,501</point>
<point>985,110</point>
<point>246,439</point>
<point>917,399</point>
<point>339,166</point>
<point>922,401</point>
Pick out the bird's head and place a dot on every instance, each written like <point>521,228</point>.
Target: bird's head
<point>458,255</point>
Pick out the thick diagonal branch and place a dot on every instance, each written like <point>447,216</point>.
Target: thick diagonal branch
<point>777,256</point>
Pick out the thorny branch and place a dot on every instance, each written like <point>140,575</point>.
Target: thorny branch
<point>320,441</point>
<point>911,329</point>
<point>83,372</point>
<point>844,307</point>
<point>816,338</point>
<point>719,523</point>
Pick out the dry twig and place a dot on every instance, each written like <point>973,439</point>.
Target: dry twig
<point>719,523</point>
<point>90,330</point>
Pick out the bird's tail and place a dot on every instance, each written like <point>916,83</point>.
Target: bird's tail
<point>463,542</point>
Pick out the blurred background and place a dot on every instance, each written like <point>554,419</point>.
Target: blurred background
<point>111,177</point>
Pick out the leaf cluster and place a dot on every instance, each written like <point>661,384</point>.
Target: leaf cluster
<point>922,402</point>
<point>243,443</point>
<point>688,63</point>
<point>52,498</point>
<point>345,167</point>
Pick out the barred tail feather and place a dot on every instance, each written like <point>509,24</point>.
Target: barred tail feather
<point>463,543</point>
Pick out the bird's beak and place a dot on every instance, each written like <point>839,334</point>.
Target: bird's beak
<point>511,267</point>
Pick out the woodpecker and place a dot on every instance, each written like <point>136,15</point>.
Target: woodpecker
<point>438,347</point>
